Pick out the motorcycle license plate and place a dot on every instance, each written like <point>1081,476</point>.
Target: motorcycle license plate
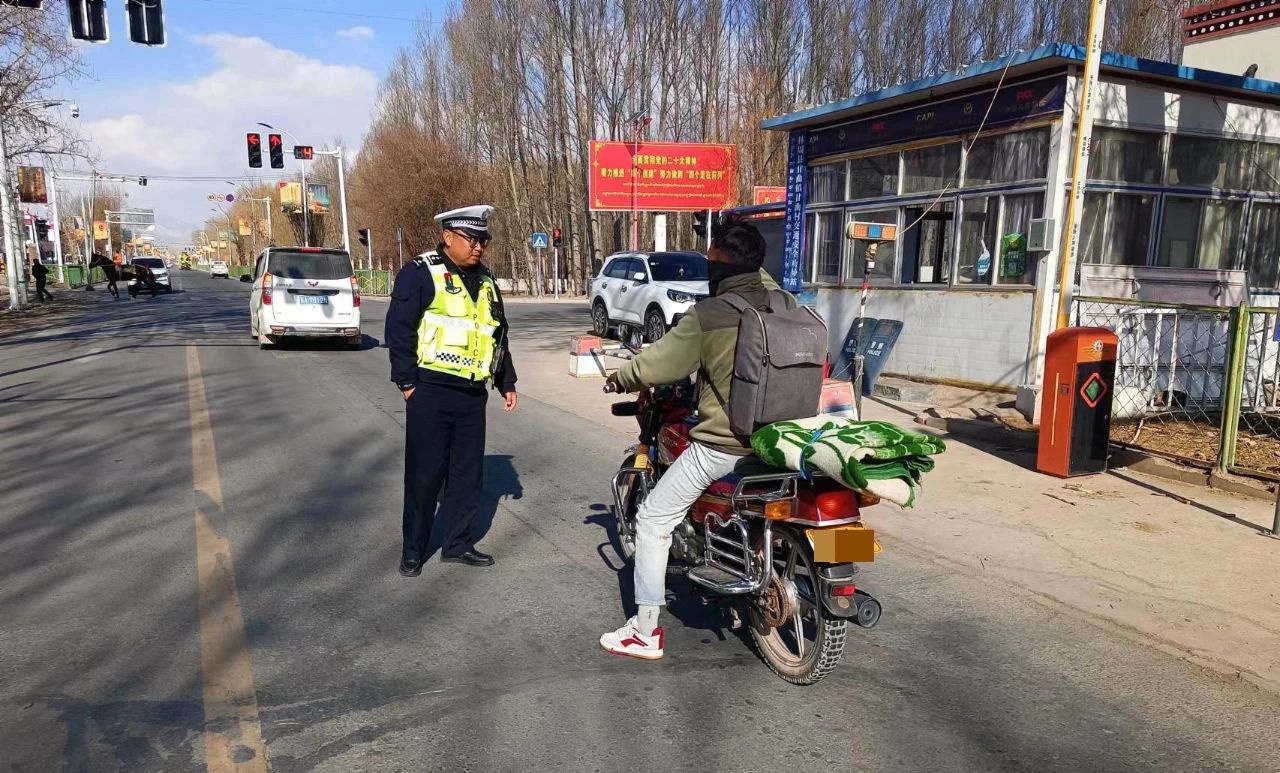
<point>842,544</point>
<point>320,299</point>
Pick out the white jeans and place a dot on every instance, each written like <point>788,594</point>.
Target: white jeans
<point>664,508</point>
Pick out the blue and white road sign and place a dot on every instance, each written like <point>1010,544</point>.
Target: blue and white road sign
<point>539,240</point>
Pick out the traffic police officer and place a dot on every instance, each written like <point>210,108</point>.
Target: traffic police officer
<point>447,334</point>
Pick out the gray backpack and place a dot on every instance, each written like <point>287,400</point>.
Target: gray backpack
<point>777,366</point>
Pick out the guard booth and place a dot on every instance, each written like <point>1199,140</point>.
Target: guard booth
<point>1075,420</point>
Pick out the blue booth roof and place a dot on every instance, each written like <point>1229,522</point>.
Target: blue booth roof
<point>1019,64</point>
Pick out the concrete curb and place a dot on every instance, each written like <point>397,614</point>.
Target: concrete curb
<point>1121,458</point>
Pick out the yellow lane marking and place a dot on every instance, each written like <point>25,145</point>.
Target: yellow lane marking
<point>232,732</point>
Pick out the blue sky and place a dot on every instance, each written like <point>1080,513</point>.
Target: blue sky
<point>310,66</point>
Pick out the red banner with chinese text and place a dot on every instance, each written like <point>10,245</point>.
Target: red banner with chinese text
<point>671,176</point>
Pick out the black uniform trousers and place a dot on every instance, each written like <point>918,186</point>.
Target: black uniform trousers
<point>443,450</point>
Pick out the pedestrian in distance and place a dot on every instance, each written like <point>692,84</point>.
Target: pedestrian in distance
<point>446,332</point>
<point>41,273</point>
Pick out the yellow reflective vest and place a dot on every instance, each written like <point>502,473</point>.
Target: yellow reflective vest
<point>456,334</point>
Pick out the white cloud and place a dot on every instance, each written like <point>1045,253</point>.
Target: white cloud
<point>196,127</point>
<point>359,32</point>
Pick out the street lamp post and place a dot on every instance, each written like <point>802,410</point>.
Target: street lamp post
<point>342,191</point>
<point>306,228</point>
<point>639,122</point>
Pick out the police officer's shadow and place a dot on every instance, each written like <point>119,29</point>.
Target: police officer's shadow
<point>684,600</point>
<point>500,482</point>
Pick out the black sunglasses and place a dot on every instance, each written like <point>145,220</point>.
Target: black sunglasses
<point>483,241</point>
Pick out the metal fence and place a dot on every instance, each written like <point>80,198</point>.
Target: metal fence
<point>374,282</point>
<point>1197,383</point>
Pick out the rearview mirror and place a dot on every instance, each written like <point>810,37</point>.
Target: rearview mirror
<point>639,276</point>
<point>246,278</point>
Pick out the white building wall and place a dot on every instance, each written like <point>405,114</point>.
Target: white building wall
<point>1137,106</point>
<point>1234,53</point>
<point>980,337</point>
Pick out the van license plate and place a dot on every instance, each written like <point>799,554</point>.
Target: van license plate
<point>321,299</point>
<point>842,544</point>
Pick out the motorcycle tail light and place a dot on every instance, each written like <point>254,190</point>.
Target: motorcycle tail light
<point>843,590</point>
<point>834,504</point>
<point>780,510</point>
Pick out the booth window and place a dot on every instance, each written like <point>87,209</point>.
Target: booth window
<point>1017,264</point>
<point>1266,168</point>
<point>930,169</point>
<point>1199,233</point>
<point>873,177</point>
<point>1263,260</point>
<point>826,183</point>
<point>1116,228</point>
<point>1123,156</point>
<point>979,221</point>
<point>885,253</point>
<point>1007,158</point>
<point>828,243</point>
<point>1215,163</point>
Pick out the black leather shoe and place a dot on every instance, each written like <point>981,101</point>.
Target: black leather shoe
<point>472,557</point>
<point>410,568</point>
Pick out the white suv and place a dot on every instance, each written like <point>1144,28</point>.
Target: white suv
<point>219,268</point>
<point>304,292</point>
<point>649,290</point>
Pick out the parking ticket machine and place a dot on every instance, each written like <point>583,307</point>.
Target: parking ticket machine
<point>1075,417</point>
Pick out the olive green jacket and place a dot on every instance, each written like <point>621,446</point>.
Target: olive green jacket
<point>702,342</point>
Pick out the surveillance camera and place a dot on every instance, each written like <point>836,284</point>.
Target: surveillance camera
<point>75,110</point>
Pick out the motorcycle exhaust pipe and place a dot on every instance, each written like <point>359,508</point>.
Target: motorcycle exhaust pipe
<point>868,609</point>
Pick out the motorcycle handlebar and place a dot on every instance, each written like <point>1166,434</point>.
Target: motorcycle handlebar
<point>610,388</point>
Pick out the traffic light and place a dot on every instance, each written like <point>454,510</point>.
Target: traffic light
<point>555,237</point>
<point>276,149</point>
<point>146,21</point>
<point>88,20</point>
<point>700,224</point>
<point>303,152</point>
<point>363,233</point>
<point>253,141</point>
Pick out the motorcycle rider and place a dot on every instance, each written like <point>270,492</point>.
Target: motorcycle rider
<point>703,342</point>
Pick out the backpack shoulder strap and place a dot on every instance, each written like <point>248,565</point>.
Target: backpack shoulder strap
<point>735,300</point>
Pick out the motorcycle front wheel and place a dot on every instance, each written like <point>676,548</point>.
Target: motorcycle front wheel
<point>631,494</point>
<point>791,629</point>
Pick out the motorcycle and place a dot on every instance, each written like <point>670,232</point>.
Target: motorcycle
<point>779,545</point>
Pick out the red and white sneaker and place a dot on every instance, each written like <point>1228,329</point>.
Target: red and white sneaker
<point>628,641</point>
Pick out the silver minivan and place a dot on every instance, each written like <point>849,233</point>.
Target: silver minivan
<point>304,292</point>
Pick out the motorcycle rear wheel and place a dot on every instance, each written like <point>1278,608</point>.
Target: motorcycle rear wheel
<point>810,643</point>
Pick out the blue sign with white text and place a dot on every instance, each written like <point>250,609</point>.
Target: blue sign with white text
<point>539,241</point>
<point>793,230</point>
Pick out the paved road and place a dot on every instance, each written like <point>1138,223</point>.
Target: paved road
<point>195,528</point>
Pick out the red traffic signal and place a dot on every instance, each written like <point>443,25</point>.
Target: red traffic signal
<point>253,142</point>
<point>555,237</point>
<point>303,152</point>
<point>276,150</point>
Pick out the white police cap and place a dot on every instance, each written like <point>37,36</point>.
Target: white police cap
<point>473,219</point>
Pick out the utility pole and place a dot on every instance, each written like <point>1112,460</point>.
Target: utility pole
<point>58,257</point>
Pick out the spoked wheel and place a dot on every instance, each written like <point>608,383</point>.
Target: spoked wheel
<point>655,326</point>
<point>790,627</point>
<point>631,494</point>
<point>600,320</point>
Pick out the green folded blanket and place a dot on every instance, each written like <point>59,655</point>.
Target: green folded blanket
<point>872,456</point>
